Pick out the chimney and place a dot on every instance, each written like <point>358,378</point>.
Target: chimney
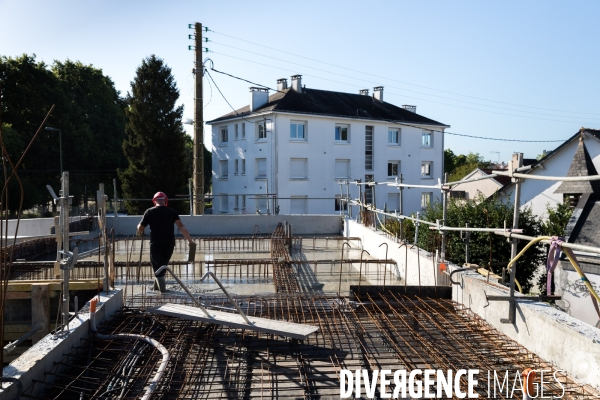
<point>297,83</point>
<point>410,108</point>
<point>364,92</point>
<point>258,98</point>
<point>378,93</point>
<point>281,84</point>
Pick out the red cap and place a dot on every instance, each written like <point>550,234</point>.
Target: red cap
<point>160,195</point>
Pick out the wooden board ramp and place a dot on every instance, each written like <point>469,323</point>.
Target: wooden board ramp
<point>264,325</point>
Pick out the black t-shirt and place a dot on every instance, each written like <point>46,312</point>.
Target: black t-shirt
<point>161,220</point>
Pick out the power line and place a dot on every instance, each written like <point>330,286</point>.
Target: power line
<point>504,140</point>
<point>417,98</point>
<point>396,87</point>
<point>398,122</point>
<point>227,101</point>
<point>403,82</point>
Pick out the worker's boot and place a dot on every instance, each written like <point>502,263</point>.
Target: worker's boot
<point>160,284</point>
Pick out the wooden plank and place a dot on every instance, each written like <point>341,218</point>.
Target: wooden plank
<point>54,285</point>
<point>282,328</point>
<point>18,295</point>
<point>40,310</point>
<point>485,272</point>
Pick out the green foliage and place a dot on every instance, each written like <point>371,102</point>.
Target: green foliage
<point>484,248</point>
<point>88,110</point>
<point>558,218</point>
<point>459,166</point>
<point>155,142</point>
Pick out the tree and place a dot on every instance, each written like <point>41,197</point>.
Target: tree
<point>154,138</point>
<point>459,166</point>
<point>88,111</point>
<point>484,248</point>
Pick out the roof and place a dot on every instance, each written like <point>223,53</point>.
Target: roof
<point>581,165</point>
<point>538,164</point>
<point>332,104</point>
<point>584,231</point>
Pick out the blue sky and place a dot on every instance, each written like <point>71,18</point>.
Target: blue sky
<point>505,70</point>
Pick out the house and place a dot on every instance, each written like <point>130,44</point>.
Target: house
<point>289,151</point>
<point>538,194</point>
<point>484,187</point>
<point>583,229</point>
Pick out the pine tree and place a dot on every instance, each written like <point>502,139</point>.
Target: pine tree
<point>154,138</point>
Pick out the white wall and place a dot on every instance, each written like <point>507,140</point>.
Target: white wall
<point>416,266</point>
<point>537,194</point>
<point>220,225</point>
<point>575,296</point>
<point>321,151</point>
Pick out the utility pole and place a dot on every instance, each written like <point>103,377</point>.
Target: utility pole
<point>198,124</point>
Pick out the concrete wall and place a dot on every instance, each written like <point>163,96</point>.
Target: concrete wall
<point>417,266</point>
<point>220,225</point>
<point>553,335</point>
<point>576,298</point>
<point>320,150</point>
<point>41,357</point>
<point>31,226</point>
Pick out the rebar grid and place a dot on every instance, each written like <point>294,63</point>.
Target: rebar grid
<point>210,361</point>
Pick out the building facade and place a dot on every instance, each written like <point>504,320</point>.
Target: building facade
<point>287,153</point>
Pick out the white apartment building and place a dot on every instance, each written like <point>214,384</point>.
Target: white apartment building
<point>288,152</point>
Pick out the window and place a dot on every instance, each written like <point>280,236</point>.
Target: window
<point>235,166</point>
<point>243,166</point>
<point>342,133</point>
<point>237,203</point>
<point>299,168</point>
<point>223,135</point>
<point>298,130</point>
<point>261,131</point>
<point>243,202</point>
<point>243,130</point>
<point>224,200</point>
<point>342,169</point>
<point>369,189</point>
<point>235,137</point>
<point>261,168</point>
<point>340,205</point>
<point>427,138</point>
<point>393,169</point>
<point>369,148</point>
<point>394,136</point>
<point>298,204</point>
<point>223,169</point>
<point>425,199</point>
<point>426,169</point>
<point>393,202</point>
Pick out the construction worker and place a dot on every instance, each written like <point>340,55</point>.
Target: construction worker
<point>162,237</point>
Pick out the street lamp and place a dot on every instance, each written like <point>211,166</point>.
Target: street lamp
<point>60,141</point>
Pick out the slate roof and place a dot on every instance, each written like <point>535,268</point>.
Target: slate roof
<point>585,232</point>
<point>332,104</point>
<point>581,165</point>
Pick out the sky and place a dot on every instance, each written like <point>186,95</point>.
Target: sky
<point>513,71</point>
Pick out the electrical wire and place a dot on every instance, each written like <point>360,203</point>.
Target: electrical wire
<point>224,98</point>
<point>396,80</point>
<point>397,122</point>
<point>412,97</point>
<point>396,87</point>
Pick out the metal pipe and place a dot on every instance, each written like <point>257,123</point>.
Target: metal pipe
<point>9,348</point>
<point>573,246</point>
<point>166,268</point>
<point>551,178</point>
<point>210,273</point>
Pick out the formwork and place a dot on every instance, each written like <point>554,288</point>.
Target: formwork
<point>388,327</point>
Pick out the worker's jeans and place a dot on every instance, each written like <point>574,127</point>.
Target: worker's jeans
<point>160,254</point>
